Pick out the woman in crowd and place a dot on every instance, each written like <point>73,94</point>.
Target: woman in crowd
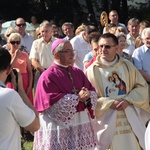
<point>7,34</point>
<point>21,61</point>
<point>124,50</point>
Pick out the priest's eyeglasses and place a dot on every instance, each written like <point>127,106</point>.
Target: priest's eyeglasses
<point>106,46</point>
<point>68,51</point>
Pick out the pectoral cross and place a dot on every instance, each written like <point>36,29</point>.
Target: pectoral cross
<point>74,90</point>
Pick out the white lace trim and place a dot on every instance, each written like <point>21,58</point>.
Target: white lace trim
<point>79,137</point>
<point>93,100</point>
<point>63,111</point>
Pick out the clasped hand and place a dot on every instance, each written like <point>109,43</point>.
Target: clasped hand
<point>84,94</point>
<point>120,104</point>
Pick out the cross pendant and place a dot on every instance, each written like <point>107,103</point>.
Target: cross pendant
<point>74,90</point>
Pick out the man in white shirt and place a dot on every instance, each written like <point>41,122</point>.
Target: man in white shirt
<point>15,112</point>
<point>81,45</point>
<point>133,27</point>
<point>40,55</point>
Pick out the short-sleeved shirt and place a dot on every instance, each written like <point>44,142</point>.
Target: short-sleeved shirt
<point>41,51</point>
<point>13,114</point>
<point>81,48</point>
<point>141,58</point>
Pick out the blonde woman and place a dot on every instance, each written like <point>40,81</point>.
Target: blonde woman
<point>21,61</point>
<point>7,34</point>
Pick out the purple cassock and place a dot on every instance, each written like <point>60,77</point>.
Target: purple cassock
<point>55,83</point>
<point>65,121</point>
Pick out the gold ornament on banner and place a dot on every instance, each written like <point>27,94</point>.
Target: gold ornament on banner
<point>104,20</point>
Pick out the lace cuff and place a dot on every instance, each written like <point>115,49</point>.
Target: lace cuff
<point>93,100</point>
<point>63,111</point>
<point>91,109</point>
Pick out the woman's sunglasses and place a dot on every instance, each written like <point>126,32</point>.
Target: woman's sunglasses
<point>15,42</point>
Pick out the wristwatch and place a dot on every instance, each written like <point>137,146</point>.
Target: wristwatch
<point>88,102</point>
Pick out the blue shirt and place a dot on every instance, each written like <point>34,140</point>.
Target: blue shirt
<point>88,57</point>
<point>141,58</point>
<point>2,84</point>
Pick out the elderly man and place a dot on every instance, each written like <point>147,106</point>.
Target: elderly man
<point>66,102</point>
<point>123,105</point>
<point>41,56</point>
<point>15,112</point>
<point>27,39</point>
<point>141,56</point>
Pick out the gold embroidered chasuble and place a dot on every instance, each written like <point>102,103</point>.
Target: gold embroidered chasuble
<point>121,80</point>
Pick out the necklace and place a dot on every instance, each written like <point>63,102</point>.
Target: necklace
<point>74,90</point>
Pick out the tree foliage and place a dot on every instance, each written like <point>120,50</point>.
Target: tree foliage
<point>141,11</point>
<point>69,10</point>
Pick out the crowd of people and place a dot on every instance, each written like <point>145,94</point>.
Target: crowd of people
<point>68,88</point>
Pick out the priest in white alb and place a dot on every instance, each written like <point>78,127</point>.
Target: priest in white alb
<point>123,101</point>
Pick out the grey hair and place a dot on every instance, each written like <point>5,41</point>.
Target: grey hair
<point>60,46</point>
<point>146,30</point>
<point>66,24</point>
<point>45,23</point>
<point>133,20</point>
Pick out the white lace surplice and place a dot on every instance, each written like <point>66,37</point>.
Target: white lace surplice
<point>62,128</point>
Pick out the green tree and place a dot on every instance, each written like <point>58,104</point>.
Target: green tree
<point>141,11</point>
<point>70,10</point>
